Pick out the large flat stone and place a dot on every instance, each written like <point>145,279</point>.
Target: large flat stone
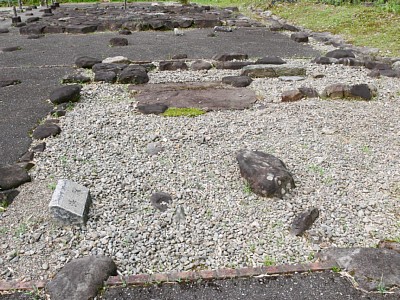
<point>262,71</point>
<point>207,96</point>
<point>70,202</point>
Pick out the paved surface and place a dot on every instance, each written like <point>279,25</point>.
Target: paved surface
<point>42,62</point>
<point>313,286</point>
<point>327,285</point>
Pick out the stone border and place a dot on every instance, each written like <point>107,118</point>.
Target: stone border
<point>189,276</point>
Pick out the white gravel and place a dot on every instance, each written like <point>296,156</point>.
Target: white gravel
<point>344,156</point>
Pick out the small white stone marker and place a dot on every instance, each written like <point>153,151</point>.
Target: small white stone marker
<point>70,202</point>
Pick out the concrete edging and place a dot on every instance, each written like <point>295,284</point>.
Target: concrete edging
<point>224,273</point>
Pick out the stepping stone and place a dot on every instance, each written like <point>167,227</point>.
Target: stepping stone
<point>80,29</point>
<point>325,60</point>
<point>81,278</point>
<point>292,95</point>
<point>172,65</point>
<point>232,65</point>
<point>118,42</point>
<point>12,176</point>
<point>160,201</point>
<point>263,71</point>
<point>134,75</point>
<point>340,53</point>
<point>237,81</point>
<point>223,29</point>
<point>200,65</point>
<point>309,92</point>
<point>116,60</point>
<point>362,91</point>
<point>299,37</point>
<point>75,78</point>
<point>4,83</point>
<point>4,30</point>
<point>303,222</point>
<point>105,76</point>
<point>28,156</point>
<point>336,91</point>
<point>270,60</point>
<point>377,65</point>
<point>32,19</point>
<point>371,268</point>
<point>207,96</point>
<point>156,109</point>
<point>266,174</point>
<point>69,93</point>
<point>116,68</point>
<point>32,29</point>
<point>70,202</point>
<point>45,130</point>
<point>291,78</point>
<point>86,62</point>
<point>125,32</point>
<point>230,56</point>
<point>39,147</point>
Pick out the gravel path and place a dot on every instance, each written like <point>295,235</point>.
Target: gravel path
<point>344,156</point>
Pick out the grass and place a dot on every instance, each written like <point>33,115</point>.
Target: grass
<point>358,24</point>
<point>269,261</point>
<point>336,269</point>
<point>183,112</point>
<point>247,188</point>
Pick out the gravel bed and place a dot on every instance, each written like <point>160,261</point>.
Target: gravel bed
<point>344,156</point>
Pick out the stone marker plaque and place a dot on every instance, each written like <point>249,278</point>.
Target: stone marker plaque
<point>70,202</point>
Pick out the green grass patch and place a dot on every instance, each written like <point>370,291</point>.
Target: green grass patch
<point>358,24</point>
<point>183,112</point>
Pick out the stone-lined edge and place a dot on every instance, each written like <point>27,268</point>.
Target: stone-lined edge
<point>187,276</point>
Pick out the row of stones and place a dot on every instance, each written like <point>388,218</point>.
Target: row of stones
<point>137,18</point>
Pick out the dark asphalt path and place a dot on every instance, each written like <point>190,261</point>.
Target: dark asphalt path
<point>41,63</point>
<point>315,286</point>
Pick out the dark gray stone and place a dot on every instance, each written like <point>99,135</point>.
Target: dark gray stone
<point>200,65</point>
<point>155,108</point>
<point>10,49</point>
<point>160,201</point>
<point>361,91</point>
<point>4,83</point>
<point>300,37</point>
<point>270,60</point>
<point>172,65</point>
<point>349,61</point>
<point>102,67</point>
<point>125,32</point>
<point>105,76</point>
<point>372,268</point>
<point>4,30</point>
<point>230,56</point>
<point>336,91</point>
<point>32,29</point>
<point>237,81</point>
<point>266,174</point>
<point>80,29</point>
<point>134,75</point>
<point>86,62</point>
<point>28,156</point>
<point>292,95</point>
<point>309,92</point>
<point>340,53</point>
<point>32,19</point>
<point>325,60</point>
<point>12,176</point>
<point>70,203</point>
<point>232,65</point>
<point>7,197</point>
<point>45,130</point>
<point>262,71</point>
<point>69,93</point>
<point>118,42</point>
<point>303,221</point>
<point>39,147</point>
<point>75,78</point>
<point>82,278</point>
